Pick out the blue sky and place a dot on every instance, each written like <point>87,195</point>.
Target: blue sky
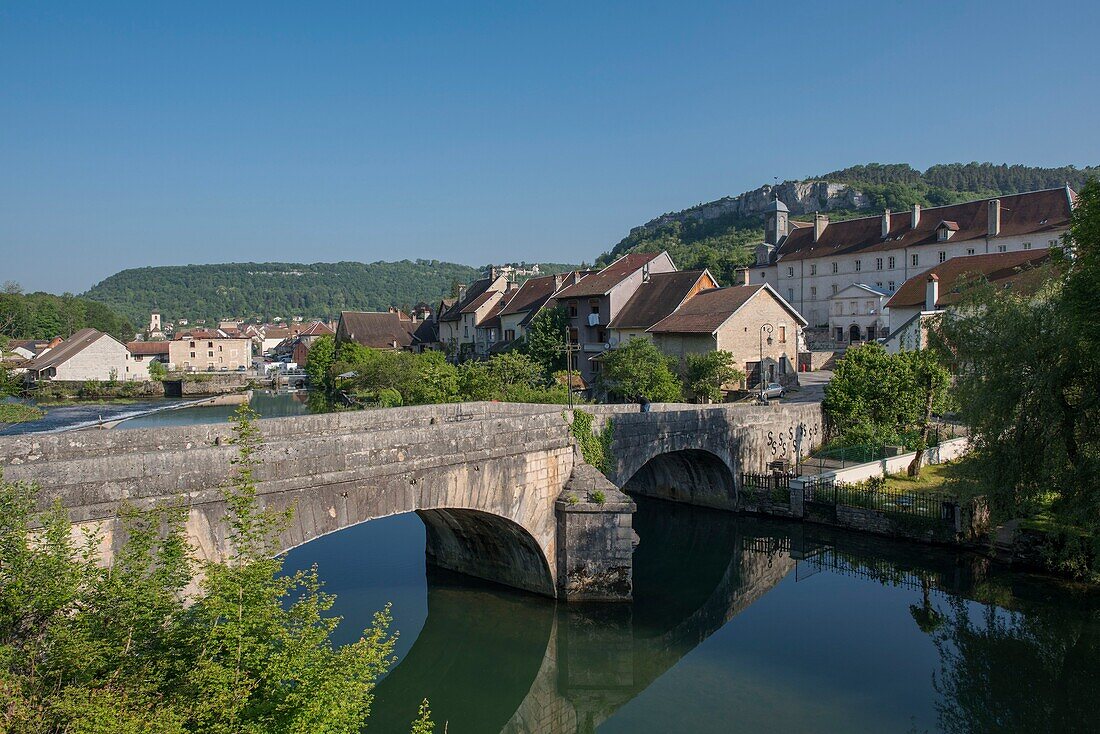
<point>142,133</point>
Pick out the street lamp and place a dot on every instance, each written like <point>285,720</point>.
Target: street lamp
<point>764,329</point>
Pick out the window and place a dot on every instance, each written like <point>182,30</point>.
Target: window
<point>813,269</point>
<point>1052,243</point>
<point>192,353</point>
<point>210,353</point>
<point>574,336</point>
<point>601,335</point>
<point>192,345</point>
<point>782,334</point>
<point>836,268</point>
<point>594,306</point>
<point>763,276</point>
<point>943,233</point>
<point>870,306</point>
<point>466,331</point>
<point>1027,245</point>
<point>891,286</point>
<point>572,309</point>
<point>509,335</point>
<point>839,309</point>
<point>835,289</point>
<point>596,366</point>
<point>943,256</point>
<point>915,259</point>
<point>219,347</point>
<point>970,251</point>
<point>790,272</point>
<point>878,284</point>
<point>813,291</point>
<point>574,361</point>
<point>878,263</point>
<point>1002,248</point>
<point>891,262</point>
<point>209,345</point>
<point>859,265</point>
<point>790,294</point>
<point>855,307</point>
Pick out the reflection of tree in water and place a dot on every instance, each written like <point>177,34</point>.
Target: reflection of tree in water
<point>1035,670</point>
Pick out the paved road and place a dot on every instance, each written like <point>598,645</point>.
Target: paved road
<point>812,387</point>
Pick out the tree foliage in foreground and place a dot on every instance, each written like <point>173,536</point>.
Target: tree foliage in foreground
<point>876,398</point>
<point>638,369</point>
<point>706,375</point>
<point>1028,370</point>
<point>88,649</point>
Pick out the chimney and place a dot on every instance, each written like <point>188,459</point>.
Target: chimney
<point>745,279</point>
<point>886,224</point>
<point>931,292</point>
<point>820,223</point>
<point>558,281</point>
<point>916,217</point>
<point>994,217</point>
<point>492,272</point>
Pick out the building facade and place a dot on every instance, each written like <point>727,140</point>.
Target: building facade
<point>809,263</point>
<point>87,355</point>
<point>209,352</point>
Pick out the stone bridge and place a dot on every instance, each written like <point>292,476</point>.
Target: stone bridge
<point>499,487</point>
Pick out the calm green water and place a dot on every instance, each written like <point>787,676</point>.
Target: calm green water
<point>739,624</point>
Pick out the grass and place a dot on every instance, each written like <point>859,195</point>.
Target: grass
<point>19,413</point>
<point>950,478</point>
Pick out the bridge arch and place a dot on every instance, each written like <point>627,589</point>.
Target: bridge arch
<point>695,476</point>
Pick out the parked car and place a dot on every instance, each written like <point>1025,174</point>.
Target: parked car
<point>773,390</point>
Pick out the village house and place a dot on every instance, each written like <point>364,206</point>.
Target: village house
<point>31,348</point>
<point>924,297</point>
<point>858,313</point>
<point>809,263</point>
<point>391,329</point>
<point>203,350</point>
<point>657,297</point>
<point>86,355</point>
<point>752,322</point>
<point>474,306</point>
<point>594,301</point>
<point>144,352</point>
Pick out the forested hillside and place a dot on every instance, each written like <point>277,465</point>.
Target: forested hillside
<point>720,234</point>
<point>266,290</point>
<point>44,315</point>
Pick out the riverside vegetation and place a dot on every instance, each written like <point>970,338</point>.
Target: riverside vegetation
<point>1024,369</point>
<point>88,649</point>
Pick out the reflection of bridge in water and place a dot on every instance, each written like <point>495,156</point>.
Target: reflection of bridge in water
<point>491,661</point>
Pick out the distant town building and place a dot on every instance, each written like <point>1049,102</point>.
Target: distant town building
<point>924,297</point>
<point>594,301</point>
<point>202,350</point>
<point>86,355</point>
<point>858,313</point>
<point>475,305</point>
<point>810,262</point>
<point>752,322</point>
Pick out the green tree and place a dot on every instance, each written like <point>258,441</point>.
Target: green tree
<point>319,360</point>
<point>872,398</point>
<point>545,339</point>
<point>638,369</point>
<point>157,370</point>
<point>123,648</point>
<point>706,375</point>
<point>931,380</point>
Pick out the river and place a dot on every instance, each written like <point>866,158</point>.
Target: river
<point>738,624</point>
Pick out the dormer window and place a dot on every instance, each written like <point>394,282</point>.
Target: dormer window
<point>645,273</point>
<point>945,229</point>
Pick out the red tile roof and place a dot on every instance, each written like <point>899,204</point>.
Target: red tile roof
<point>657,298</point>
<point>378,330</point>
<point>603,281</point>
<point>532,294</point>
<point>1034,212</point>
<point>1019,270</point>
<point>706,311</point>
<point>147,348</point>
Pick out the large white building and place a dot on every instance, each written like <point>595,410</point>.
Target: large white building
<point>809,263</point>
